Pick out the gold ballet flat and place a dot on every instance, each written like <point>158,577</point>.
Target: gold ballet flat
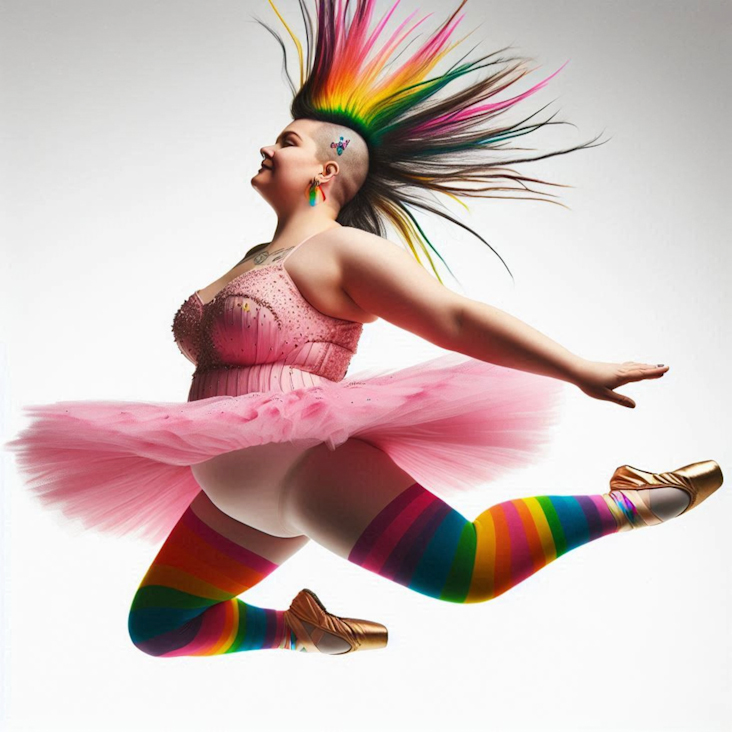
<point>361,635</point>
<point>698,480</point>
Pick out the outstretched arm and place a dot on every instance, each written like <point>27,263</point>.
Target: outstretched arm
<point>491,334</point>
<point>387,282</point>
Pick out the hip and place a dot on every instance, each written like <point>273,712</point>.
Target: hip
<point>238,380</point>
<point>250,484</point>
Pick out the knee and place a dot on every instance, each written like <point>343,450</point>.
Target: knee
<point>461,588</point>
<point>157,646</point>
<point>463,585</point>
<point>136,631</point>
<point>148,629</point>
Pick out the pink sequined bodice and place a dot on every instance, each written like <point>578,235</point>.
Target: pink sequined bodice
<point>258,332</point>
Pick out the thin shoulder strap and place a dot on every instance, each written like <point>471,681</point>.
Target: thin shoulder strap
<point>296,247</point>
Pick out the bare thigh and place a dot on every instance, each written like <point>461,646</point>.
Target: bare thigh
<point>276,549</point>
<point>332,496</point>
<point>248,484</point>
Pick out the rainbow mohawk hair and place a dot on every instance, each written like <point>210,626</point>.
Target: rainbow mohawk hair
<point>414,146</point>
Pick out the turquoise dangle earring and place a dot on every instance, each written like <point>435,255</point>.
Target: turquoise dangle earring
<point>313,190</point>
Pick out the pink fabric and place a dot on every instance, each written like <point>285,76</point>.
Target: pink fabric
<point>257,326</point>
<point>265,358</point>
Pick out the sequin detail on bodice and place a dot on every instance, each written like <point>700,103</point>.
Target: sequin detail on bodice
<point>261,318</point>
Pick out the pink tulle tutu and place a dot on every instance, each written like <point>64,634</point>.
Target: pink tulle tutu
<point>122,467</point>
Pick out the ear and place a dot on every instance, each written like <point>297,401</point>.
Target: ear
<point>331,170</point>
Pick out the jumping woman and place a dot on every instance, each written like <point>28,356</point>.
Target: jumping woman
<point>275,447</point>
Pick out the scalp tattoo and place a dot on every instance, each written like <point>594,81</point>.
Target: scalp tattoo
<point>340,145</point>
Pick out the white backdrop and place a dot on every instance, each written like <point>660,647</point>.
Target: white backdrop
<point>130,131</point>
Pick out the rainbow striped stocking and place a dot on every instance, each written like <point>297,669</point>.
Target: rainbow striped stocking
<point>186,604</point>
<point>422,543</point>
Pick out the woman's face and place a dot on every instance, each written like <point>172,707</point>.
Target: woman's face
<point>289,166</point>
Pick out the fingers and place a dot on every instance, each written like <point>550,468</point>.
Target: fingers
<point>623,400</point>
<point>640,371</point>
<point>639,365</point>
<point>609,395</point>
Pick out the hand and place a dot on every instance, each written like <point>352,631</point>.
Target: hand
<point>598,379</point>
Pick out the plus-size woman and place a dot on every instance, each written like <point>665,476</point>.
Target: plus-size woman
<point>275,446</point>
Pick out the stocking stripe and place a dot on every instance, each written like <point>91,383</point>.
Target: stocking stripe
<point>186,604</point>
<point>521,559</point>
<point>389,540</point>
<point>232,626</point>
<point>252,631</point>
<point>457,584</point>
<point>542,528</point>
<point>502,554</point>
<point>270,629</point>
<point>193,555</point>
<point>378,545</point>
<point>555,526</point>
<point>165,644</point>
<point>380,523</point>
<point>416,540</point>
<point>152,619</point>
<point>428,546</point>
<point>161,574</point>
<point>483,579</point>
<point>441,553</point>
<point>213,624</point>
<point>604,520</point>
<point>573,521</point>
<point>535,551</point>
<point>238,554</point>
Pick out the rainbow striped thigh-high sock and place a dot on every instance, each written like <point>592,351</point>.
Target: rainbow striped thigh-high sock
<point>422,543</point>
<point>186,604</point>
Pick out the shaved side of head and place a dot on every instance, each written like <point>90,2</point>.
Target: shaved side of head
<point>353,162</point>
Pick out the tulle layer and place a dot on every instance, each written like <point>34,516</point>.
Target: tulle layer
<point>453,423</point>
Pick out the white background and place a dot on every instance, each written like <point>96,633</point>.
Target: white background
<point>130,131</point>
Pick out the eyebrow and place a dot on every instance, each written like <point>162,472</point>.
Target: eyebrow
<point>289,132</point>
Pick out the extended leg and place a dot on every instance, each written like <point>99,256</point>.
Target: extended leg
<point>186,604</point>
<point>359,504</point>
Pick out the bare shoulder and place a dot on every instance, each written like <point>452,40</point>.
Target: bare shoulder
<point>365,255</point>
<point>350,242</point>
<point>385,280</point>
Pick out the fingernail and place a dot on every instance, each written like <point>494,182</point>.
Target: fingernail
<point>659,364</point>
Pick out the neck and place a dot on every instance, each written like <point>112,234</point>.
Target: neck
<point>301,223</point>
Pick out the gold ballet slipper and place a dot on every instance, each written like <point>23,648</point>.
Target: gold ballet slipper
<point>698,480</point>
<point>361,635</point>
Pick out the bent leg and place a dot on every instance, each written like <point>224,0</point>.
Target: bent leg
<point>356,502</point>
<point>186,604</point>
